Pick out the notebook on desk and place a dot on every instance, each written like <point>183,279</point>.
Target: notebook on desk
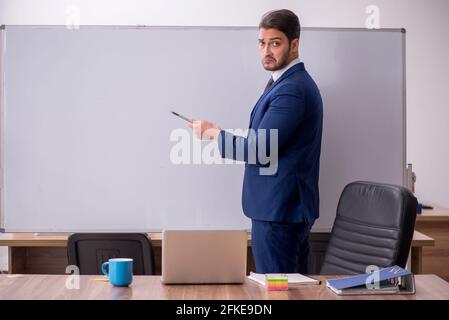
<point>293,278</point>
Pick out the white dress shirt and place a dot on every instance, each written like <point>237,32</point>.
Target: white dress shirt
<point>278,73</point>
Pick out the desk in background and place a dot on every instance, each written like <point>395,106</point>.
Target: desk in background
<point>150,287</point>
<point>47,254</point>
<point>435,224</point>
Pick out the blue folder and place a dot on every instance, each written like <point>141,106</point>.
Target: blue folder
<point>382,275</point>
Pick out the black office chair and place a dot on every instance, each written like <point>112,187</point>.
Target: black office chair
<point>88,251</point>
<point>374,226</point>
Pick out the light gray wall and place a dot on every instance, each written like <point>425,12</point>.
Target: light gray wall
<point>426,22</point>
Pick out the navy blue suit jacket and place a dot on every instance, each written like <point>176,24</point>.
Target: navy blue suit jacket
<point>293,106</point>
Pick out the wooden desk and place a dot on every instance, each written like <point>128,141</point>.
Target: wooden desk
<point>437,214</point>
<point>419,241</point>
<point>38,287</point>
<point>47,254</point>
<point>435,224</point>
<point>33,253</point>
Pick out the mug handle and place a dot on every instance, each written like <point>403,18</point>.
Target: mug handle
<point>103,268</point>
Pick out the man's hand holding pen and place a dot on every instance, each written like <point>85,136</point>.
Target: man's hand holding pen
<point>205,130</point>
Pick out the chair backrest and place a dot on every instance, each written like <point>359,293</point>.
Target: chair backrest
<point>374,226</point>
<point>88,251</point>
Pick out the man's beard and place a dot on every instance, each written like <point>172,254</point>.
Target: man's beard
<point>281,63</point>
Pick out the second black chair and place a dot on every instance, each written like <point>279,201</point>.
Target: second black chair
<point>88,251</point>
<point>374,226</point>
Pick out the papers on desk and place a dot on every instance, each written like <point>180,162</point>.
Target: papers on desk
<point>391,280</point>
<point>293,278</point>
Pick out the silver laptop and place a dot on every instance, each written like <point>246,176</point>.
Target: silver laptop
<point>204,256</point>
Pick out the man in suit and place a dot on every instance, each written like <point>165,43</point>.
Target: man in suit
<point>283,205</point>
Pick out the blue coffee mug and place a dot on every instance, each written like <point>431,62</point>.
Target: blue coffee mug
<point>120,271</point>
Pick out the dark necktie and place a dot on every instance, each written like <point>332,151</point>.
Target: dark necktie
<point>270,82</point>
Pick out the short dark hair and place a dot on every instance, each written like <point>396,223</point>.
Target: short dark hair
<point>283,20</point>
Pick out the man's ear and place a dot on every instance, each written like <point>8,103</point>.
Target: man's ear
<point>295,46</point>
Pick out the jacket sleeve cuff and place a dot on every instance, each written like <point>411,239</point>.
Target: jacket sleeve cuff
<point>224,136</point>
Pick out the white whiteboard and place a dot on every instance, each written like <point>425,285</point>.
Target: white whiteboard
<point>86,124</point>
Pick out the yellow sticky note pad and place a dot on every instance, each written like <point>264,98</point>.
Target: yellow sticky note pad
<point>277,282</point>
